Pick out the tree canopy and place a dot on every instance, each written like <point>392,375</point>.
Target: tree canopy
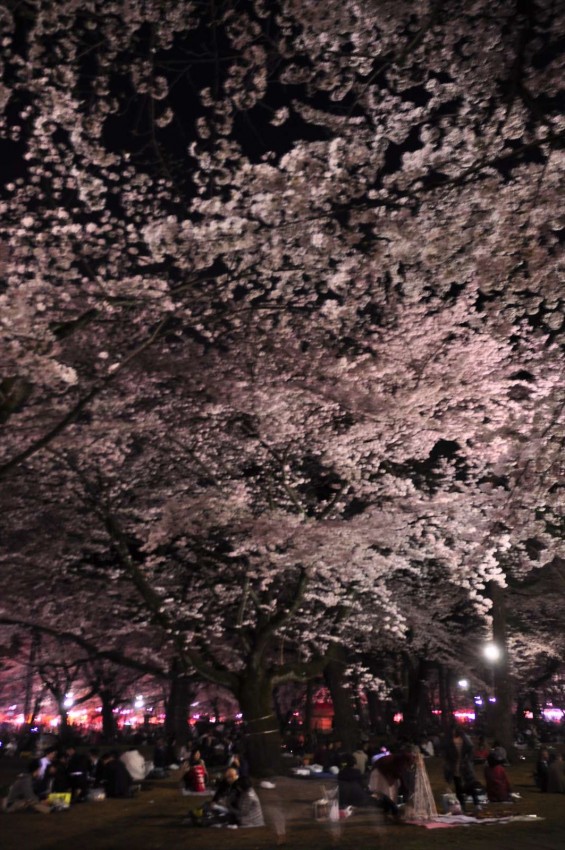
<point>282,322</point>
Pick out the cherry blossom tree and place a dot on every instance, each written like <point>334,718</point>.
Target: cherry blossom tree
<point>281,320</point>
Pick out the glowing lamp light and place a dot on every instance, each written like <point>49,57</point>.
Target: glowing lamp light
<point>69,700</point>
<point>492,652</point>
<point>463,684</point>
<point>139,701</point>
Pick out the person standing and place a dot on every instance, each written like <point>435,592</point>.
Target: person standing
<point>458,767</point>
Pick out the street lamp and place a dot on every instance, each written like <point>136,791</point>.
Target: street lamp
<point>492,652</point>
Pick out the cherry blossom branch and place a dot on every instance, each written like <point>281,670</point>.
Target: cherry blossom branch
<point>294,671</point>
<point>283,615</point>
<point>80,405</point>
<point>112,655</point>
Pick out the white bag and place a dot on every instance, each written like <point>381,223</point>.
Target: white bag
<point>96,795</point>
<point>334,810</point>
<point>450,804</point>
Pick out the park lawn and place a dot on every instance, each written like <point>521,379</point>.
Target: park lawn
<point>153,821</point>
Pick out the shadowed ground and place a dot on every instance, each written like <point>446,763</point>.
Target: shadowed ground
<point>153,821</point>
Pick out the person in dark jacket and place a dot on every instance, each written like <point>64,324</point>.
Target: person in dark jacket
<point>225,802</point>
<point>114,776</point>
<point>78,765</point>
<point>352,787</point>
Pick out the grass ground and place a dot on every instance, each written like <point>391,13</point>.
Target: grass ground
<point>153,821</point>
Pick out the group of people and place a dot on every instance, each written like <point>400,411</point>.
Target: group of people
<point>234,801</point>
<point>76,776</point>
<point>391,782</point>
<point>461,757</point>
<point>393,779</point>
<point>194,773</point>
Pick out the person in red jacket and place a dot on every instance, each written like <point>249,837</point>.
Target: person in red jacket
<point>196,777</point>
<point>498,785</point>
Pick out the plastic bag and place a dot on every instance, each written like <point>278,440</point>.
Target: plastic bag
<point>334,811</point>
<point>450,804</point>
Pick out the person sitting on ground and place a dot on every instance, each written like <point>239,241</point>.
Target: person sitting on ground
<point>542,770</point>
<point>225,802</point>
<point>498,785</point>
<point>135,764</point>
<point>160,754</point>
<point>115,777</point>
<point>239,761</point>
<point>481,750</point>
<point>61,780</point>
<point>78,766</point>
<point>555,774</point>
<point>23,793</point>
<point>195,779</point>
<point>93,757</point>
<point>99,771</point>
<point>352,787</point>
<point>361,758</point>
<point>48,758</point>
<point>249,811</point>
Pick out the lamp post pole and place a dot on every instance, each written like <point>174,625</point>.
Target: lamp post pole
<point>492,654</point>
<point>502,717</point>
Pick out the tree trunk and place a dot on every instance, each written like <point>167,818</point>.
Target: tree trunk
<point>177,709</point>
<point>346,728</point>
<point>417,714</point>
<point>376,721</point>
<point>30,675</point>
<point>308,697</point>
<point>263,736</point>
<point>108,720</point>
<point>64,730</point>
<point>444,699</point>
